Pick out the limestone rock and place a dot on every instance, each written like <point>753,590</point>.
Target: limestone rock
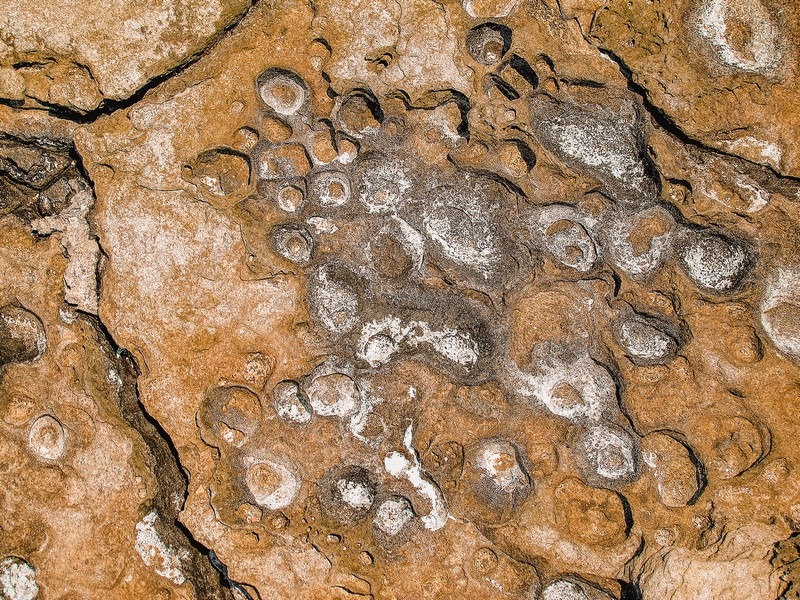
<point>78,56</point>
<point>478,299</point>
<point>80,479</point>
<point>737,64</point>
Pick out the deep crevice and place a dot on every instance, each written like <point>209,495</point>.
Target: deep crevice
<point>223,571</point>
<point>172,480</point>
<point>630,591</point>
<point>669,124</point>
<point>208,574</point>
<point>108,106</point>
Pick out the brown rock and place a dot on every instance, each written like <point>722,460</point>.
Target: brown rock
<point>737,62</point>
<point>55,55</point>
<point>79,469</point>
<point>407,301</point>
<point>673,469</point>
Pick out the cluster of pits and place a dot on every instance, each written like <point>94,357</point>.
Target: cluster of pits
<point>403,262</point>
<point>407,261</point>
<point>234,420</point>
<point>23,340</point>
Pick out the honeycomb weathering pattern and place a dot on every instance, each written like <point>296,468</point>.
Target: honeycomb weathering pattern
<point>404,300</point>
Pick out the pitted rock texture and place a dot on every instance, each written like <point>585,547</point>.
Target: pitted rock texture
<point>411,300</point>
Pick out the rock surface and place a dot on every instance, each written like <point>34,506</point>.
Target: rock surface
<point>737,63</point>
<point>480,300</point>
<point>77,56</point>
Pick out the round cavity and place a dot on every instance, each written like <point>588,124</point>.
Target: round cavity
<point>17,579</point>
<point>334,395</point>
<point>713,262</point>
<point>22,337</point>
<point>564,590</point>
<point>571,245</point>
<point>457,347</point>
<point>290,403</point>
<point>575,386</point>
<point>282,90</point>
<point>246,139</point>
<point>393,515</point>
<point>645,343</point>
<point>488,43</point>
<point>46,438</point>
<point>742,34</point>
<point>228,415</point>
<point>272,484</point>
<point>346,493</point>
<point>293,243</point>
<point>289,198</point>
<point>330,188</point>
<point>566,233</point>
<point>356,494</point>
<point>499,461</point>
<point>610,452</point>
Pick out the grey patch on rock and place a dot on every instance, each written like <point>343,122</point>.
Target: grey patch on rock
<point>604,144</point>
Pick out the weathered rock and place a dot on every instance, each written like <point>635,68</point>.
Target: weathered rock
<point>674,471</point>
<point>739,568</point>
<point>737,62</point>
<point>428,302</point>
<point>79,475</point>
<point>76,57</point>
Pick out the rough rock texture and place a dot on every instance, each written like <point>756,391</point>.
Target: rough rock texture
<point>76,56</point>
<point>724,72</point>
<point>409,300</point>
<point>89,497</point>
